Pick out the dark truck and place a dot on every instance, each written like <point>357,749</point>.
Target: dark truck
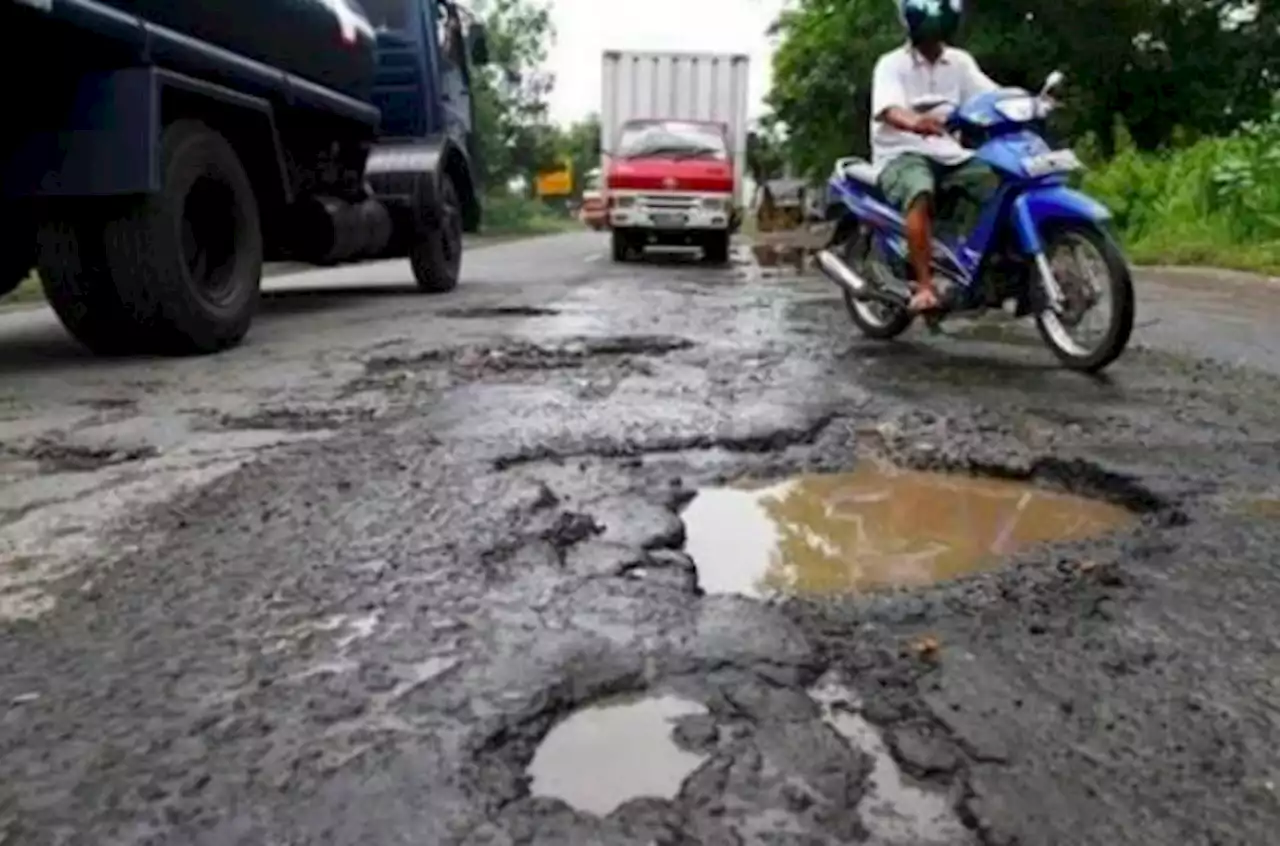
<point>155,153</point>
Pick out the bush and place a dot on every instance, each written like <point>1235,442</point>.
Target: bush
<point>1215,201</point>
<point>514,214</point>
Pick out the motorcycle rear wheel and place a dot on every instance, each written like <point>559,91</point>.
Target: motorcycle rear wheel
<point>874,320</point>
<point>1119,288</point>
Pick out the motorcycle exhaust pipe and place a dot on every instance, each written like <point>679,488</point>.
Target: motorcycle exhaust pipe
<point>848,280</point>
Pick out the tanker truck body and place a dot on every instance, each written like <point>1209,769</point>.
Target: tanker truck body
<point>157,152</point>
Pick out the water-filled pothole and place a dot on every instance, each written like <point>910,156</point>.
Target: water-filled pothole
<point>613,752</point>
<point>895,809</point>
<point>875,527</point>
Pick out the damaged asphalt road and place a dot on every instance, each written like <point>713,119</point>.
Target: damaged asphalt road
<point>361,581</point>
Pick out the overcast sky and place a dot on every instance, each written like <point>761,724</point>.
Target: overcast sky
<point>585,28</point>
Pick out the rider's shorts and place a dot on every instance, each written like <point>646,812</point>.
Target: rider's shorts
<point>911,176</point>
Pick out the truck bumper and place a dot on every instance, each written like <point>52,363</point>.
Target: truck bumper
<point>671,213</point>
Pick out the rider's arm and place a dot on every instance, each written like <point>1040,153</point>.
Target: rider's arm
<point>975,80</point>
<point>889,98</point>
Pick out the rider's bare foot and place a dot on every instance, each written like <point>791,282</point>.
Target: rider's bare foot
<point>923,300</point>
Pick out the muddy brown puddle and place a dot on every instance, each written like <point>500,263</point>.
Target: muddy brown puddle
<point>876,527</point>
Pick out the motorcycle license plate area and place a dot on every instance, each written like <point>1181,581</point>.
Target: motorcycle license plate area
<point>671,221</point>
<point>1057,161</point>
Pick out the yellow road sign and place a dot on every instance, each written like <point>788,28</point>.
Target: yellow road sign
<point>555,183</point>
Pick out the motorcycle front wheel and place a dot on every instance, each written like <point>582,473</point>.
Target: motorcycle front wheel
<point>874,320</point>
<point>1092,272</point>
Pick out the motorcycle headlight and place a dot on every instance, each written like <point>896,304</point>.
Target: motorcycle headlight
<point>1019,109</point>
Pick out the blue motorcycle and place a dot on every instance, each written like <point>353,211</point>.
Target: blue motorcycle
<point>1038,244</point>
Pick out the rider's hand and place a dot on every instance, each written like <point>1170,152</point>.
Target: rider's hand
<point>930,125</point>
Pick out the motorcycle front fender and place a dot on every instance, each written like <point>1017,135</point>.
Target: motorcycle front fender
<point>1034,208</point>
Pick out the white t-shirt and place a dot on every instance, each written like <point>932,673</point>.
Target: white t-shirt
<point>903,76</point>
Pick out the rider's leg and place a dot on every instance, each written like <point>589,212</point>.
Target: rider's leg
<point>908,182</point>
<point>973,183</point>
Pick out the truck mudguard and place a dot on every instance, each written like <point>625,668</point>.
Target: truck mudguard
<point>108,145</point>
<point>406,173</point>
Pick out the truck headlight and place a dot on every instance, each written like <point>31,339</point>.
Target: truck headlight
<point>623,202</point>
<point>715,204</point>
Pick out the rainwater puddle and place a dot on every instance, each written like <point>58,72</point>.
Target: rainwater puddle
<point>876,527</point>
<point>1263,506</point>
<point>613,752</point>
<point>895,811</point>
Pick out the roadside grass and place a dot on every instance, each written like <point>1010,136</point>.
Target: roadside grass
<point>1211,202</point>
<point>28,291</point>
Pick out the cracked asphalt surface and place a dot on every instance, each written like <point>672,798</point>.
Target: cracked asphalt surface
<point>336,586</point>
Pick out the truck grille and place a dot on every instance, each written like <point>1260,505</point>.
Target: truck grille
<point>666,202</point>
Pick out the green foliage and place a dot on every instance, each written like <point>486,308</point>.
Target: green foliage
<point>510,214</point>
<point>1170,101</point>
<point>580,145</point>
<point>1215,201</point>
<point>513,135</point>
<point>1205,65</point>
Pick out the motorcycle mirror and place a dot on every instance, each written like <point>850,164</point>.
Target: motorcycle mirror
<point>1052,81</point>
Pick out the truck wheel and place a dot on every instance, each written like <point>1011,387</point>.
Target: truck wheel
<point>621,243</point>
<point>436,254</point>
<point>77,286</point>
<point>18,254</point>
<point>187,261</point>
<point>715,250</point>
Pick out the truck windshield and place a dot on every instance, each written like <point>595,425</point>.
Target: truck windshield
<point>672,139</point>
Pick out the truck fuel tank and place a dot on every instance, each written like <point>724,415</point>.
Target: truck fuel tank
<point>330,42</point>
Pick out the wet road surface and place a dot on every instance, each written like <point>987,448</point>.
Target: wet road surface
<point>412,570</point>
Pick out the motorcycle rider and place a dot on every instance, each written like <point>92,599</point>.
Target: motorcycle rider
<point>919,160</point>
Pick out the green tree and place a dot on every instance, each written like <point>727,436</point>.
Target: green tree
<point>514,136</point>
<point>1202,65</point>
<point>580,145</point>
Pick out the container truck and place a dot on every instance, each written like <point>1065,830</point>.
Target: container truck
<point>673,143</point>
<point>157,152</point>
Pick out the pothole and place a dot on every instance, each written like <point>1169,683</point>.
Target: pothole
<point>873,528</point>
<point>57,457</point>
<point>895,811</point>
<point>296,419</point>
<point>1005,332</point>
<point>1262,506</point>
<point>526,355</point>
<point>499,311</point>
<point>615,751</point>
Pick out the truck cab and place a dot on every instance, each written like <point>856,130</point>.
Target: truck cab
<point>671,182</point>
<point>175,147</point>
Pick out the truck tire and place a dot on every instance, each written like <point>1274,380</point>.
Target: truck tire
<point>715,250</point>
<point>620,241</point>
<point>76,283</point>
<point>187,260</point>
<point>436,254</point>
<point>18,253</point>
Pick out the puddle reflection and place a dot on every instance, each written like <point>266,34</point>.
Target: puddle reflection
<point>610,753</point>
<point>873,528</point>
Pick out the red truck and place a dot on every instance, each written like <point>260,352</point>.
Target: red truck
<point>673,136</point>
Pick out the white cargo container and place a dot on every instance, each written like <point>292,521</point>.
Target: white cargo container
<point>677,86</point>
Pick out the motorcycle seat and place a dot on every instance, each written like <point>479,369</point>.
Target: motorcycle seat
<point>860,170</point>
